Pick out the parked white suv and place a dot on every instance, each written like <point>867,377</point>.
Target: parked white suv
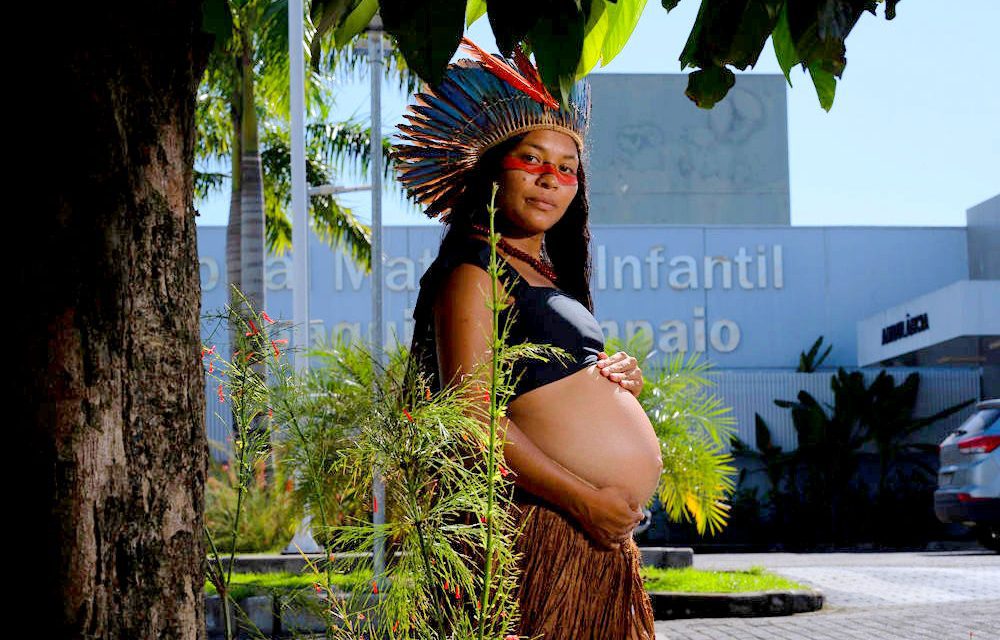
<point>969,476</point>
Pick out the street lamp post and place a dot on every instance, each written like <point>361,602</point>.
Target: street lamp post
<point>375,52</point>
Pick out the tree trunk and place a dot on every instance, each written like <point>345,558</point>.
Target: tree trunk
<point>234,235</point>
<point>109,369</point>
<point>251,194</point>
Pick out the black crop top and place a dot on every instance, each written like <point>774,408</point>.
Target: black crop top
<point>545,315</point>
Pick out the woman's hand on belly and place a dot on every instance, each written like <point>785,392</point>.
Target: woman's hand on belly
<point>608,517</point>
<point>621,369</point>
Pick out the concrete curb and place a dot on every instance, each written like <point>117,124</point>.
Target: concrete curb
<point>276,617</point>
<point>660,557</point>
<point>262,610</point>
<point>667,557</point>
<point>671,605</point>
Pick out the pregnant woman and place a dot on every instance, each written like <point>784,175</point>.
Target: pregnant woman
<point>584,453</point>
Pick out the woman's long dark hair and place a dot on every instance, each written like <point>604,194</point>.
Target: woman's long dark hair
<point>567,244</point>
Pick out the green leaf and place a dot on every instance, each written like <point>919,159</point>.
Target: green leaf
<point>751,32</point>
<point>622,18</point>
<point>326,15</point>
<point>217,20</point>
<point>427,32</point>
<point>511,20</point>
<point>593,39</point>
<point>690,55</point>
<point>890,9</point>
<point>730,33</point>
<point>784,48</point>
<point>763,434</point>
<point>355,22</point>
<point>819,31</point>
<point>708,86</point>
<point>557,41</point>
<point>825,83</point>
<point>474,11</point>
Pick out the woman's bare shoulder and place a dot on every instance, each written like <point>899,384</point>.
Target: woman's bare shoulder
<point>467,282</point>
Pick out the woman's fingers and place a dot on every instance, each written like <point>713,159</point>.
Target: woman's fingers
<point>622,369</point>
<point>608,539</point>
<point>604,361</point>
<point>621,363</point>
<point>611,517</point>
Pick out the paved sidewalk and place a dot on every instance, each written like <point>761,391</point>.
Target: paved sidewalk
<point>904,596</point>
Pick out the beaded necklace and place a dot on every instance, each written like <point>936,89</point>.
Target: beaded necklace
<point>545,268</point>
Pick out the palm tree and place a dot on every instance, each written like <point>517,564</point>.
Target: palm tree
<point>242,116</point>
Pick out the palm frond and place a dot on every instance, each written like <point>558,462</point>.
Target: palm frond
<point>208,182</point>
<point>695,434</point>
<point>338,225</point>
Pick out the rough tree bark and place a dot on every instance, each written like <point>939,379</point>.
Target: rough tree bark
<point>111,385</point>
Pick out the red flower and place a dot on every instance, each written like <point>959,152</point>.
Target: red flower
<point>503,471</point>
<point>408,416</point>
<point>270,412</point>
<point>375,503</point>
<point>253,329</point>
<point>374,586</point>
<point>361,616</point>
<point>318,587</point>
<point>446,585</point>
<point>263,314</point>
<point>458,593</point>
<point>289,485</point>
<point>211,366</point>
<point>222,398</point>
<point>395,626</point>
<point>277,353</point>
<point>427,392</point>
<point>482,519</point>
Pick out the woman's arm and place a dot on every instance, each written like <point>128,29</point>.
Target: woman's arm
<point>463,333</point>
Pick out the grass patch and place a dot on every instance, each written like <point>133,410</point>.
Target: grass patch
<point>683,580</point>
<point>251,584</point>
<point>690,580</point>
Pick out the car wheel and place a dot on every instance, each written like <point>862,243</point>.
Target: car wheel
<point>988,536</point>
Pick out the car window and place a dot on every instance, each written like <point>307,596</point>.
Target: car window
<point>980,422</point>
<point>994,427</point>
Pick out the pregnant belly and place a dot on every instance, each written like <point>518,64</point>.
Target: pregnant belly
<point>594,428</point>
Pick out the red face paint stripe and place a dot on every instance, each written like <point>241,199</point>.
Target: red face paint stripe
<point>510,162</point>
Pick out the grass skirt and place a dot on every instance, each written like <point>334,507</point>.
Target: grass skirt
<point>572,589</point>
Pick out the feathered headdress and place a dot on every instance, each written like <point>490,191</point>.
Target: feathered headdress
<point>479,104</point>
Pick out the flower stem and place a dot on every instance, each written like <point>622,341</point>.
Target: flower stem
<point>490,462</point>
<point>431,585</point>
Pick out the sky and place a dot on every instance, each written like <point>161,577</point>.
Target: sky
<point>913,138</point>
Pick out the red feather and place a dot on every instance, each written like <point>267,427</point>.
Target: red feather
<point>528,70</point>
<point>532,85</point>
